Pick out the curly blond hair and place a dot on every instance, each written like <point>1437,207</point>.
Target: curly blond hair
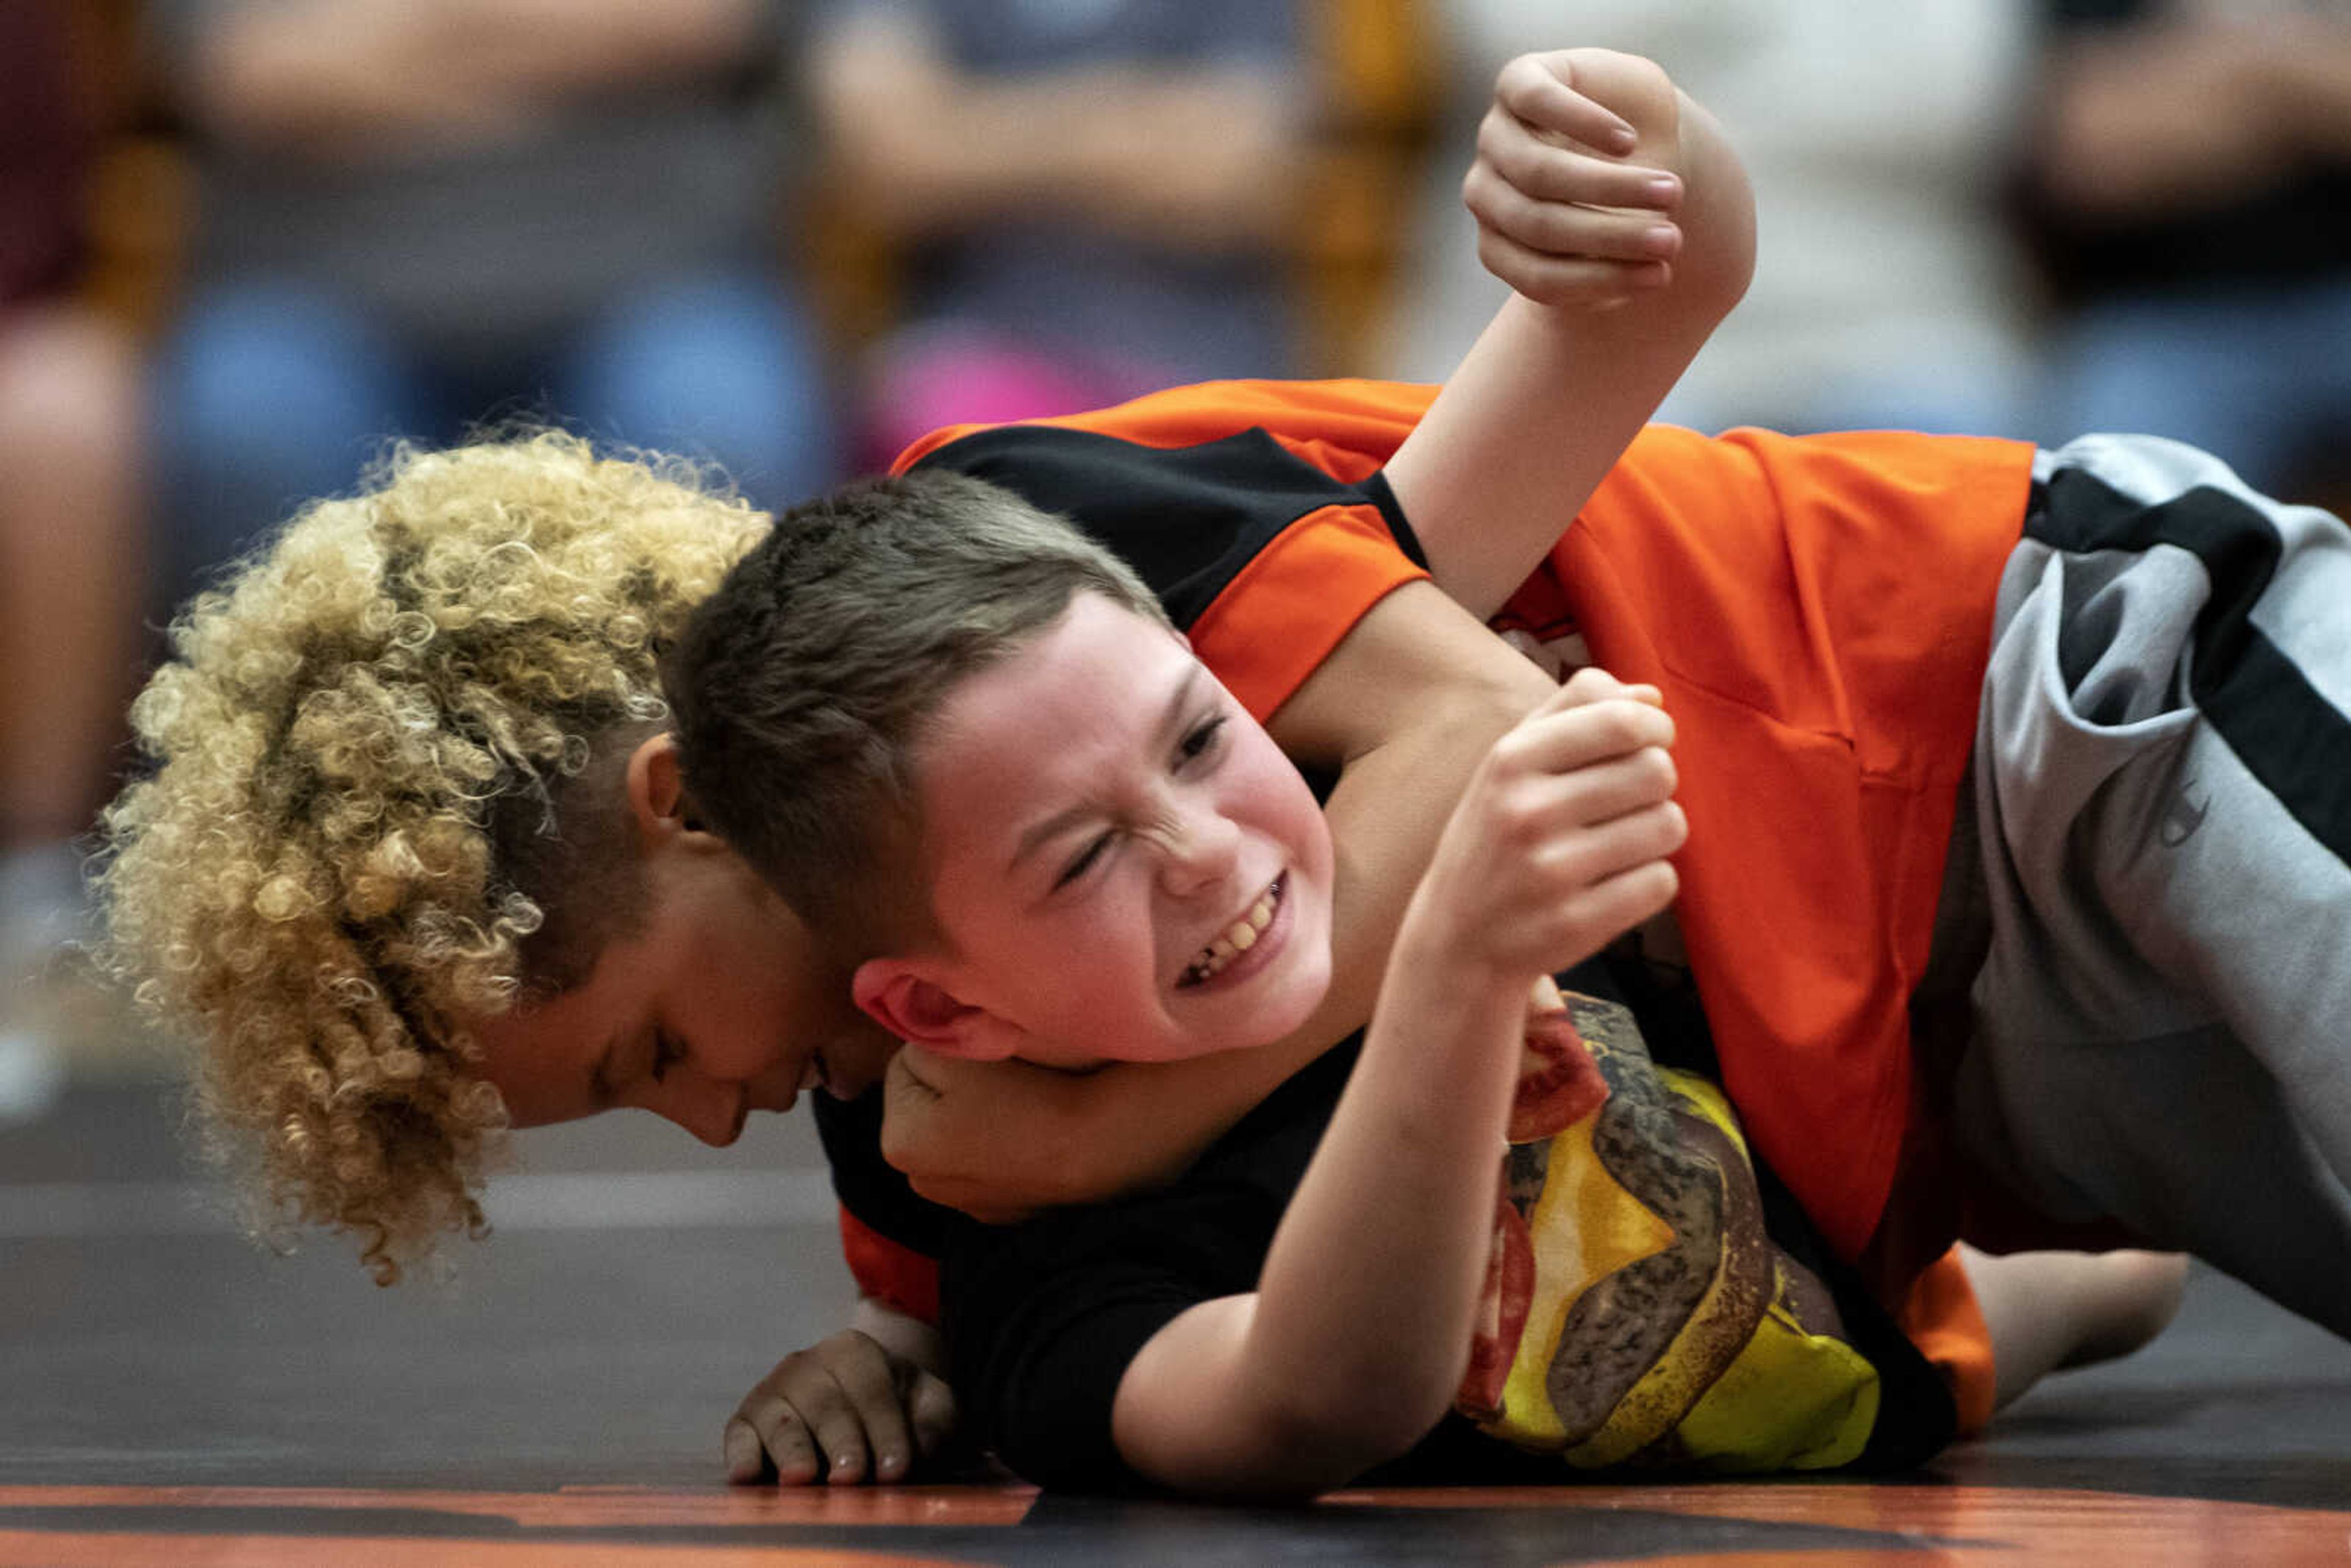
<point>388,758</point>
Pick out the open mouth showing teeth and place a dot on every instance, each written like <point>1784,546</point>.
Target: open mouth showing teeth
<point>1237,938</point>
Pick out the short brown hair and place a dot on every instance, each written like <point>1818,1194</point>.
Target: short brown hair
<point>803,687</point>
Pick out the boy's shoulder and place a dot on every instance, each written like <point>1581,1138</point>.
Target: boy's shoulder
<point>1346,428</point>
<point>1264,543</point>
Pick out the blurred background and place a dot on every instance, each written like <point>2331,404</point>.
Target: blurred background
<point>246,243</point>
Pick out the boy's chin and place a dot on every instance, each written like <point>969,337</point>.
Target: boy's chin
<point>1271,1019</point>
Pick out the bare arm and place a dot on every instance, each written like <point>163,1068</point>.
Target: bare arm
<point>324,77</point>
<point>2269,93</point>
<point>1204,158</point>
<point>1410,703</point>
<point>1554,389</point>
<point>1354,1341</point>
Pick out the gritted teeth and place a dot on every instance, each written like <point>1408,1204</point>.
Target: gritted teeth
<point>1237,938</point>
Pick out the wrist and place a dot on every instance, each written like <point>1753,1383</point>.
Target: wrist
<point>1439,958</point>
<point>908,1338</point>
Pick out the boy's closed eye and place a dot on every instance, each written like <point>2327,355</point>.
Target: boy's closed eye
<point>1084,861</point>
<point>667,1053</point>
<point>1204,739</point>
<point>1200,740</point>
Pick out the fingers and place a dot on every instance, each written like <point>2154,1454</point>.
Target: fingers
<point>1542,171</point>
<point>747,1462</point>
<point>870,1419</point>
<point>1541,93</point>
<point>1561,217</point>
<point>931,1411</point>
<point>1551,279</point>
<point>914,1070</point>
<point>1601,794</point>
<point>943,1123</point>
<point>1591,684</point>
<point>1589,885</point>
<point>1564,227</point>
<point>1607,909</point>
<point>1595,854</point>
<point>1550,826</point>
<point>1587,726</point>
<point>1550,90</point>
<point>1563,906</point>
<point>765,1440</point>
<point>833,1412</point>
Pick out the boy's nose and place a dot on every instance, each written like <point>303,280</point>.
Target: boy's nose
<point>1198,853</point>
<point>710,1110</point>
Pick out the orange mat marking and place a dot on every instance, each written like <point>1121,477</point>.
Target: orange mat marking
<point>587,1508</point>
<point>28,1549</point>
<point>1956,1526</point>
<point>1969,1524</point>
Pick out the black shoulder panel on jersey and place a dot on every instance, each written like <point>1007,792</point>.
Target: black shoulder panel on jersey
<point>1187,519</point>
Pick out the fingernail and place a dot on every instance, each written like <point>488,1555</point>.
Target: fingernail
<point>1664,188</point>
<point>1622,137</point>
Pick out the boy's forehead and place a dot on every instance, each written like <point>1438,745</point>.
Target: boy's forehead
<point>1097,656</point>
<point>1087,687</point>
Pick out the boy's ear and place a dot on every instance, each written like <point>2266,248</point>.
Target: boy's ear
<point>902,998</point>
<point>657,797</point>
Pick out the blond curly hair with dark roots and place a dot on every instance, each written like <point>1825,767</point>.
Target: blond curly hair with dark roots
<point>386,799</point>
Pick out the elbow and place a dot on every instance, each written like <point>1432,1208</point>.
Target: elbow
<point>1331,1442</point>
<point>1291,1451</point>
<point>1712,277</point>
<point>1325,1451</point>
<point>1726,277</point>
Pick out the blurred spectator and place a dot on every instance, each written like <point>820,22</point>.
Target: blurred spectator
<point>70,581</point>
<point>1093,192</point>
<point>2191,195</point>
<point>1886,291</point>
<point>417,213</point>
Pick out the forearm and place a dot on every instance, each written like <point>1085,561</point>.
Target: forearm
<point>930,150</point>
<point>1369,1291</point>
<point>1549,397</point>
<point>2314,87</point>
<point>908,1338</point>
<point>1353,1344</point>
<point>1001,1140</point>
<point>2115,145</point>
<point>315,77</point>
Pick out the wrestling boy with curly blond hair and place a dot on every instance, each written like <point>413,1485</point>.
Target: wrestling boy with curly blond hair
<point>367,742</point>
